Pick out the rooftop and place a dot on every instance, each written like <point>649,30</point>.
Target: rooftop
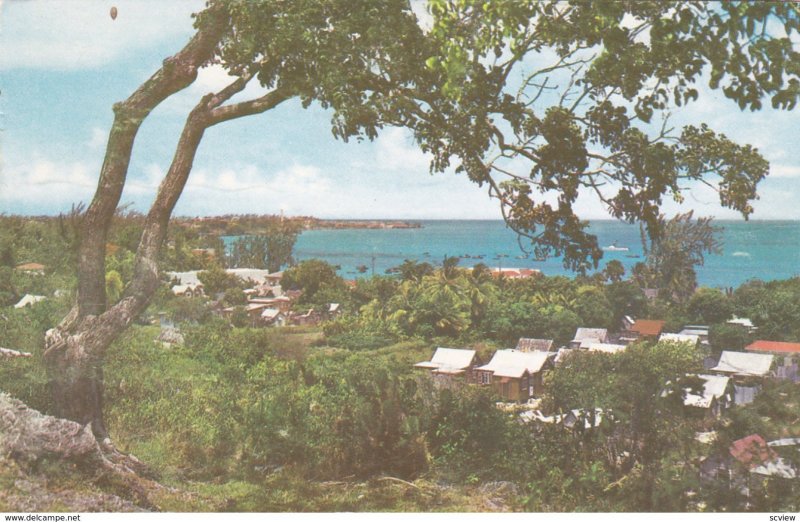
<point>773,346</point>
<point>648,327</point>
<point>513,363</point>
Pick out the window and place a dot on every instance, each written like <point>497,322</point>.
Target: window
<point>485,377</point>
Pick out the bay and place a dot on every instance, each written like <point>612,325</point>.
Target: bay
<point>765,250</point>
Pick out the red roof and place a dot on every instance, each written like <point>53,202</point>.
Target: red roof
<point>648,327</point>
<point>751,451</point>
<point>773,346</point>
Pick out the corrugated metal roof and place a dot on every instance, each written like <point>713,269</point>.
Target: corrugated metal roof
<point>713,388</point>
<point>513,363</point>
<point>773,346</point>
<point>526,344</point>
<point>591,334</point>
<point>449,359</point>
<point>651,327</point>
<point>605,347</point>
<point>742,363</point>
<point>680,338</point>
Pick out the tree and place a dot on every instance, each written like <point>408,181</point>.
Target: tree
<point>321,51</point>
<point>709,306</point>
<point>216,280</point>
<point>316,278</point>
<point>546,100</point>
<point>365,62</point>
<point>671,258</point>
<point>614,271</point>
<point>270,250</point>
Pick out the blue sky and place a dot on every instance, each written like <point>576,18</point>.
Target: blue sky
<point>63,65</point>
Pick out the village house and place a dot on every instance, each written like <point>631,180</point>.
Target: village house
<point>691,340</point>
<point>586,336</point>
<point>29,300</point>
<point>643,329</point>
<point>451,365</point>
<point>700,331</point>
<point>747,371</point>
<point>605,347</point>
<point>188,290</point>
<point>747,463</point>
<point>514,375</point>
<point>745,323</point>
<point>282,303</point>
<point>534,345</point>
<point>787,356</point>
<point>273,317</point>
<point>714,399</point>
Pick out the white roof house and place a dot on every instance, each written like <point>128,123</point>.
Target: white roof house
<point>605,347</point>
<point>714,387</point>
<point>585,336</point>
<point>744,364</point>
<point>743,321</point>
<point>29,299</point>
<point>270,313</point>
<point>514,364</point>
<point>526,344</point>
<point>449,360</point>
<point>680,338</point>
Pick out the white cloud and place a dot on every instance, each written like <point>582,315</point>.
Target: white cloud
<point>784,171</point>
<point>80,34</point>
<point>397,151</point>
<point>44,186</point>
<point>98,139</point>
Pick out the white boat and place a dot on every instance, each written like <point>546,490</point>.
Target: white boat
<point>615,248</point>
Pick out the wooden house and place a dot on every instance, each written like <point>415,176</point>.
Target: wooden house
<point>450,365</point>
<point>644,329</point>
<point>526,344</point>
<point>585,336</point>
<point>747,370</point>
<point>514,375</point>
<point>713,400</point>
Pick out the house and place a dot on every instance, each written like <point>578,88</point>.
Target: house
<point>514,375</point>
<point>744,323</point>
<point>188,290</point>
<point>606,347</point>
<point>774,347</point>
<point>700,331</point>
<point>273,317</point>
<point>333,310</point>
<point>741,364</point>
<point>31,268</point>
<point>746,369</point>
<point>282,303</point>
<point>515,273</point>
<point>577,419</point>
<point>756,456</point>
<point>585,336</point>
<point>526,344</point>
<point>274,278</point>
<point>714,399</point>
<point>449,364</point>
<point>310,318</point>
<point>29,300</point>
<point>645,329</point>
<point>692,340</point>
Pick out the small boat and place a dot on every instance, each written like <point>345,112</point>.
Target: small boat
<point>615,248</point>
<point>633,256</point>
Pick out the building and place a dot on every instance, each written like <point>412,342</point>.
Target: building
<point>526,344</point>
<point>188,290</point>
<point>514,375</point>
<point>645,329</point>
<point>700,331</point>
<point>586,336</point>
<point>29,300</point>
<point>450,364</point>
<point>741,364</point>
<point>606,347</point>
<point>774,347</point>
<point>692,340</point>
<point>744,323</point>
<point>273,317</point>
<point>715,397</point>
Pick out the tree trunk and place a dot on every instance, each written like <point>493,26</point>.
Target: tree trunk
<point>75,349</point>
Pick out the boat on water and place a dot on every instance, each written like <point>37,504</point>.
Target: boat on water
<point>616,248</point>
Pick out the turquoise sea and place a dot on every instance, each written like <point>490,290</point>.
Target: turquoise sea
<point>757,249</point>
